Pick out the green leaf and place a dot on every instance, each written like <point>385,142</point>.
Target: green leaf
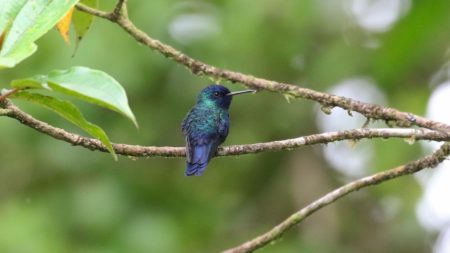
<point>28,21</point>
<point>70,112</point>
<point>8,12</point>
<point>82,21</point>
<point>90,85</point>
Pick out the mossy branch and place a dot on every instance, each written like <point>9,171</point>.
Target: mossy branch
<point>199,68</point>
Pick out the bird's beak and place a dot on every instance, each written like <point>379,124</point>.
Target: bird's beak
<point>241,92</point>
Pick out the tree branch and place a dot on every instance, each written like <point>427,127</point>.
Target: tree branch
<point>13,111</point>
<point>429,161</point>
<point>373,111</point>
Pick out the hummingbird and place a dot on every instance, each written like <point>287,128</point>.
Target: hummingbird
<point>206,126</point>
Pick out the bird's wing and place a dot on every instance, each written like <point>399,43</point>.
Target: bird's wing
<point>187,128</point>
<point>223,124</point>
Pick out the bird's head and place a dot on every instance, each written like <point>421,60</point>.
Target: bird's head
<point>218,95</point>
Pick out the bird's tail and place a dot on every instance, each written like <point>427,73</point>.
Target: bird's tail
<point>196,169</point>
<point>200,158</point>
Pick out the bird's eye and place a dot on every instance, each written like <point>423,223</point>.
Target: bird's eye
<point>216,94</point>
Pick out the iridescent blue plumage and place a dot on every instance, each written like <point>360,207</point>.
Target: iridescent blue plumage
<point>206,127</point>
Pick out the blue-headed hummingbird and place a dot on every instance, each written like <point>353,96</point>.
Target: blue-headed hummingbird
<point>206,126</point>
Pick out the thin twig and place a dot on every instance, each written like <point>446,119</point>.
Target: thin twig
<point>372,111</point>
<point>13,111</point>
<point>8,93</point>
<point>429,161</point>
<point>95,12</point>
<point>121,9</point>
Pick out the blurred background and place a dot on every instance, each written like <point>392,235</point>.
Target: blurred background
<point>58,198</point>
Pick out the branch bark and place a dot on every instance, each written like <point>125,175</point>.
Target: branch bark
<point>429,161</point>
<point>12,111</point>
<point>121,9</point>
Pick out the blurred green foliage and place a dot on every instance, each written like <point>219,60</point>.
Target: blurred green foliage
<point>58,198</point>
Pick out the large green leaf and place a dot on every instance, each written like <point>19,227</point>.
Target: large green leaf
<point>84,83</point>
<point>70,112</point>
<point>82,21</point>
<point>24,22</point>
